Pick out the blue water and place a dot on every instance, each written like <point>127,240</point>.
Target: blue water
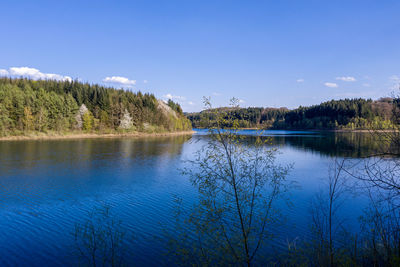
<point>47,187</point>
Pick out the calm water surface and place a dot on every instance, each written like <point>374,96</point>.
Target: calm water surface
<point>47,187</point>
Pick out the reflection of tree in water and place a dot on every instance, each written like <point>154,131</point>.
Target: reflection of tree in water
<point>353,145</point>
<point>83,153</point>
<point>153,146</point>
<point>34,171</point>
<point>99,240</point>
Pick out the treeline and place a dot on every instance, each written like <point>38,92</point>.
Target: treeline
<point>49,105</point>
<point>334,114</point>
<point>246,117</point>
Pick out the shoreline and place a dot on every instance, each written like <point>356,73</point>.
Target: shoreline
<point>60,136</point>
<point>322,130</point>
<point>80,135</point>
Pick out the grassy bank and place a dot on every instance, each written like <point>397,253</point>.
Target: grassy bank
<point>83,135</point>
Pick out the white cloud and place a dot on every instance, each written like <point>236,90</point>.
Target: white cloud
<point>241,101</point>
<point>366,85</point>
<point>34,74</point>
<point>300,80</point>
<point>145,81</point>
<point>395,82</point>
<point>216,94</point>
<point>331,85</point>
<point>119,80</point>
<point>394,78</point>
<point>169,96</point>
<point>3,72</point>
<point>174,97</point>
<point>371,94</point>
<point>346,79</point>
<point>395,87</point>
<point>191,103</point>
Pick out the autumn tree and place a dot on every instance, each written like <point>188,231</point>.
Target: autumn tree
<point>87,121</point>
<point>28,119</point>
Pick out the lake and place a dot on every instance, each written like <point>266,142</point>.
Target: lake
<point>48,187</point>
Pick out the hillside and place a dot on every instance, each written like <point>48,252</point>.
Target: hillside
<point>331,115</point>
<point>29,106</point>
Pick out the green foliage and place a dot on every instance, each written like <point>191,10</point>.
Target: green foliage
<point>347,113</point>
<point>87,121</point>
<point>49,105</point>
<point>246,117</point>
<point>28,119</point>
<point>104,119</point>
<point>335,114</point>
<point>239,184</point>
<point>175,106</point>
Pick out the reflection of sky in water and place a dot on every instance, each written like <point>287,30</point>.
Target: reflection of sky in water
<point>48,186</point>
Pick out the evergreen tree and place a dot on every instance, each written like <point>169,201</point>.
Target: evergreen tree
<point>49,105</point>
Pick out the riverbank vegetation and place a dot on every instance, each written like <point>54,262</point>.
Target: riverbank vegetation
<point>239,186</point>
<point>239,213</point>
<point>331,242</point>
<point>347,114</point>
<point>29,107</point>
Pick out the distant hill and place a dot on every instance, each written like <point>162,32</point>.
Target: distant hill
<point>331,115</point>
<point>62,106</point>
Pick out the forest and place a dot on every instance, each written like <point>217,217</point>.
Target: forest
<point>331,115</point>
<point>29,106</point>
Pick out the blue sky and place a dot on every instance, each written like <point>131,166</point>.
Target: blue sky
<point>266,53</point>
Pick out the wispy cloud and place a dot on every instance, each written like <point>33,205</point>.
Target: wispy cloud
<point>216,94</point>
<point>241,101</point>
<point>33,73</point>
<point>394,78</point>
<point>174,97</point>
<point>120,80</point>
<point>180,99</point>
<point>300,80</point>
<point>145,81</point>
<point>394,82</point>
<point>366,85</point>
<point>346,79</point>
<point>3,72</point>
<point>371,94</point>
<point>331,85</point>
